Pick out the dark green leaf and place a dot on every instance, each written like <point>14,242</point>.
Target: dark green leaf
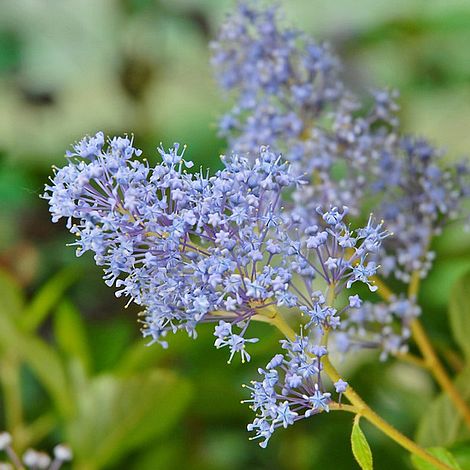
<point>439,452</point>
<point>360,447</point>
<point>459,312</point>
<point>109,340</point>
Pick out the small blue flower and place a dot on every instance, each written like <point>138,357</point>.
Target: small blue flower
<point>340,386</point>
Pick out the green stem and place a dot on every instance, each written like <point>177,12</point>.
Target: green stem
<point>358,404</point>
<point>412,359</point>
<point>340,407</point>
<point>430,359</point>
<point>370,415</point>
<point>437,369</point>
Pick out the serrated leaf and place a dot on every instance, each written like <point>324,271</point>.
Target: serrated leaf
<point>47,298</point>
<point>117,415</point>
<point>459,313</point>
<point>70,334</point>
<point>360,447</point>
<point>439,452</point>
<point>441,424</point>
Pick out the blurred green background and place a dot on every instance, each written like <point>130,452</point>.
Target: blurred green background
<point>73,366</point>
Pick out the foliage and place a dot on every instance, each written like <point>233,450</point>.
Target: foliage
<point>58,86</point>
<point>102,416</point>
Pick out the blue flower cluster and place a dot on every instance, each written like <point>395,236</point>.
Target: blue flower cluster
<point>192,248</point>
<point>185,246</point>
<point>269,236</point>
<point>289,95</point>
<point>291,388</point>
<point>31,458</point>
<point>381,325</point>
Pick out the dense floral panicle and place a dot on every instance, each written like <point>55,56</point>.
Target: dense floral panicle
<point>337,254</point>
<point>291,388</point>
<point>383,326</point>
<point>193,248</point>
<point>182,245</point>
<point>421,196</point>
<point>289,95</point>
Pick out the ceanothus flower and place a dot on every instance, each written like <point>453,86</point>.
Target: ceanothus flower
<point>381,325</point>
<point>31,458</point>
<point>192,248</point>
<point>289,95</point>
<point>187,247</point>
<point>291,389</point>
<point>421,196</point>
<point>271,237</point>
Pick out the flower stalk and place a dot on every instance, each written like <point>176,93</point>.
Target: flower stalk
<point>359,406</point>
<point>430,359</point>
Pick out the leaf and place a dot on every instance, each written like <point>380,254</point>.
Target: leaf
<point>459,313</point>
<point>441,424</point>
<point>461,453</point>
<point>169,454</point>
<point>42,359</point>
<point>70,334</point>
<point>360,446</point>
<point>138,356</point>
<point>117,415</point>
<point>108,341</point>
<point>47,298</point>
<point>439,452</point>
<point>11,297</point>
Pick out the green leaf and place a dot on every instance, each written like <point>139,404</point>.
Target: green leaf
<point>70,334</point>
<point>169,454</point>
<point>109,341</point>
<point>117,415</point>
<point>439,452</point>
<point>459,312</point>
<point>461,453</point>
<point>360,446</point>
<point>441,424</point>
<point>41,358</point>
<point>11,297</point>
<point>47,298</point>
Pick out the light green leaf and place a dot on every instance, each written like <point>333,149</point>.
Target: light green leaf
<point>360,446</point>
<point>169,454</point>
<point>439,452</point>
<point>459,313</point>
<point>47,298</point>
<point>117,415</point>
<point>41,358</point>
<point>441,424</point>
<point>70,334</point>
<point>11,297</point>
<point>461,453</point>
